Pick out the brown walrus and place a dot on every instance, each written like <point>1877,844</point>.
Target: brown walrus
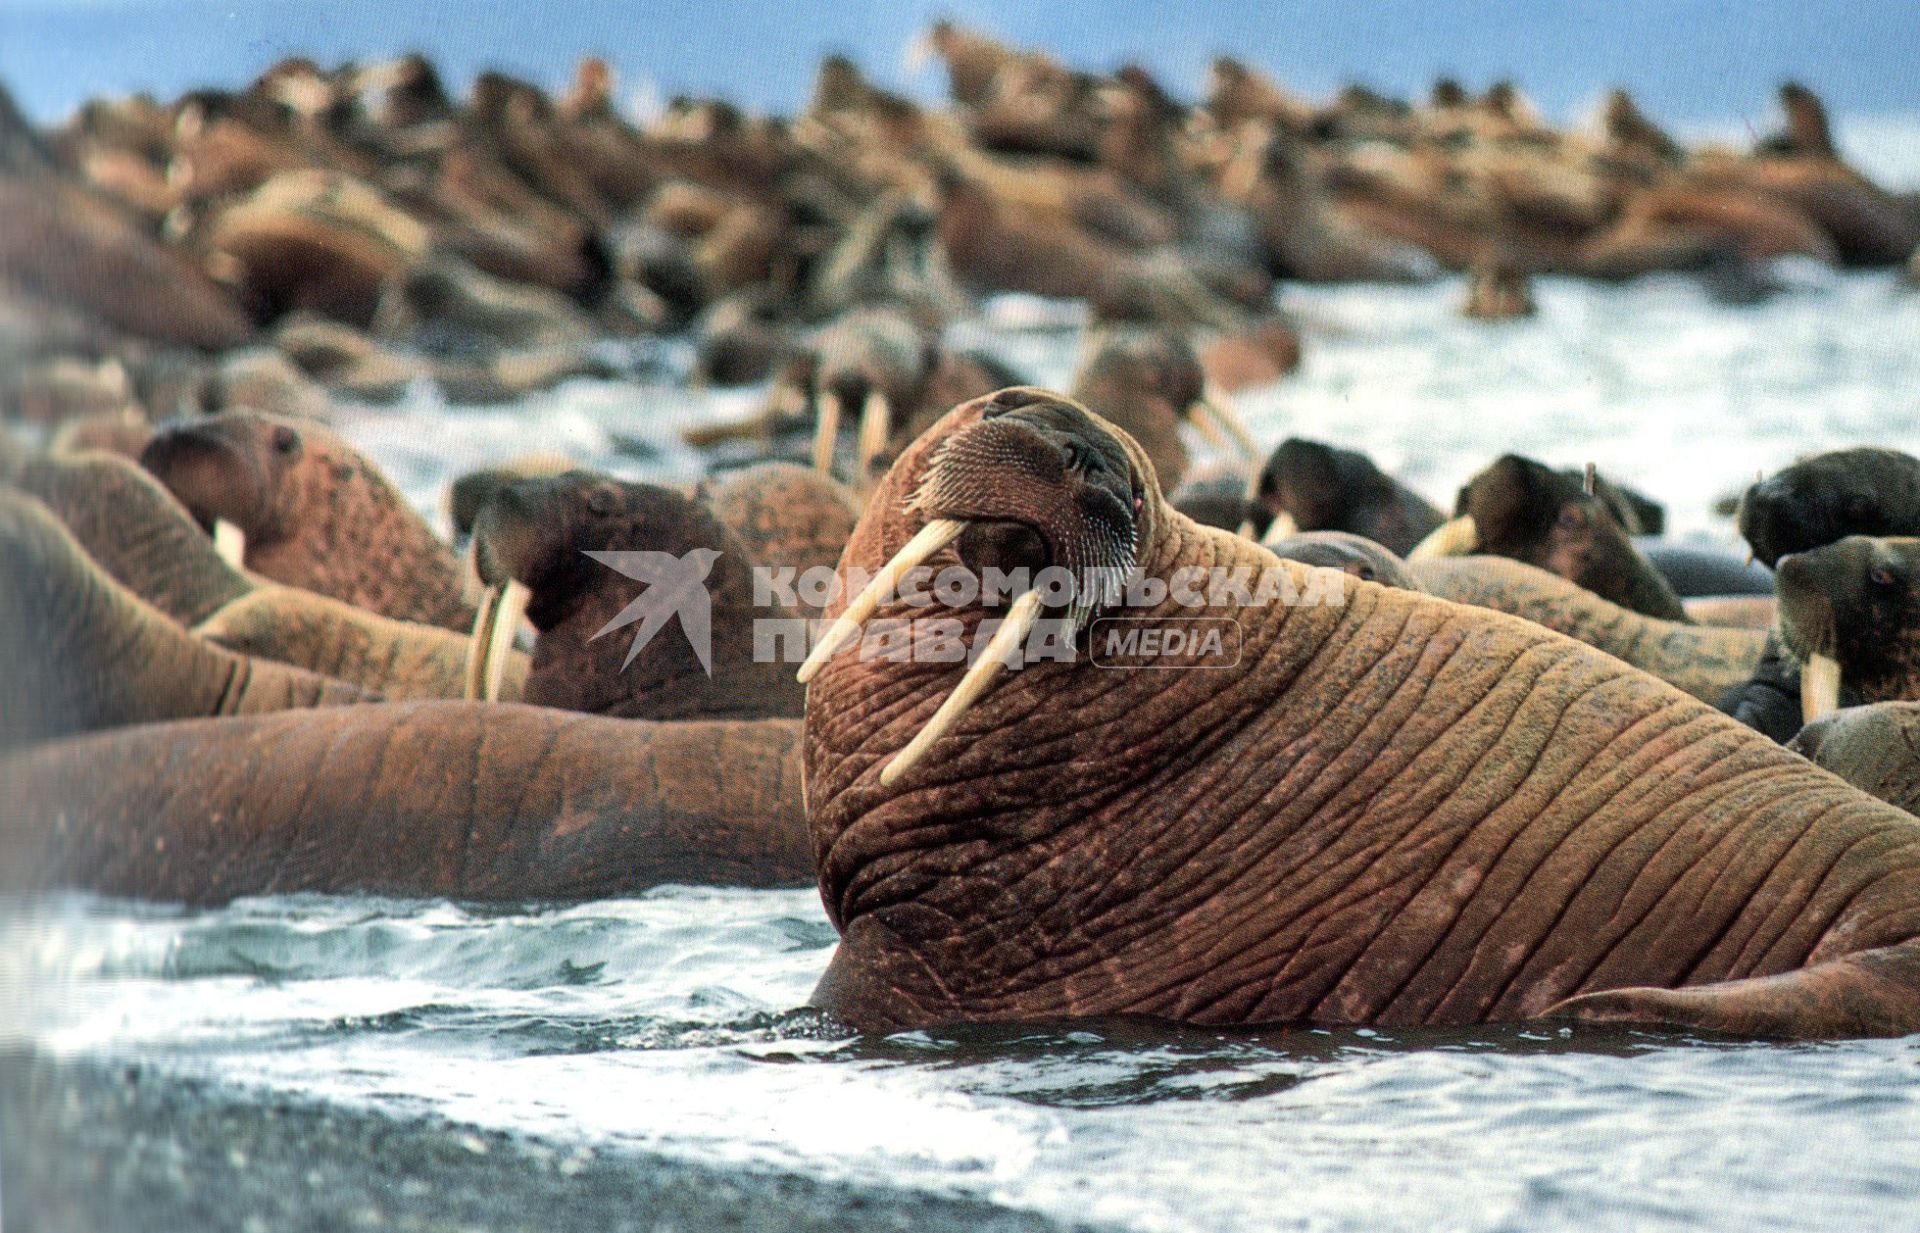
<point>1311,486</point>
<point>1827,497</point>
<point>1702,660</point>
<point>606,570</point>
<point>787,518</point>
<point>1875,748</point>
<point>1525,510</point>
<point>1353,554</point>
<point>1850,617</point>
<point>1392,810</point>
<point>398,660</point>
<point>1153,381</point>
<point>83,652</point>
<point>132,526</point>
<point>312,512</point>
<point>466,800</point>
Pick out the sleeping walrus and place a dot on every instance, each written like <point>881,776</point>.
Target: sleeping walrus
<point>1388,810</point>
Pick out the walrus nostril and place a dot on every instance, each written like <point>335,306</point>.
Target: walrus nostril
<point>1003,546</point>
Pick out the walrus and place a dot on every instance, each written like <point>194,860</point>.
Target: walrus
<point>1153,381</point>
<point>306,509</point>
<point>82,652</point>
<point>1214,495</point>
<point>1352,554</point>
<point>1700,572</point>
<point>1525,510</point>
<point>786,517</point>
<point>1702,660</point>
<point>471,801</point>
<point>398,660</point>
<point>1827,497</point>
<point>138,532</point>
<point>1389,810</point>
<point>1875,748</point>
<point>604,569</point>
<point>1312,486</point>
<point>1850,617</point>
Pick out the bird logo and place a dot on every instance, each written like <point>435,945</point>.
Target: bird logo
<point>675,586</point>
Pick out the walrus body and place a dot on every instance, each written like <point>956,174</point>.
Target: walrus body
<point>1396,810</point>
<point>1828,497</point>
<point>1875,748</point>
<point>465,800</point>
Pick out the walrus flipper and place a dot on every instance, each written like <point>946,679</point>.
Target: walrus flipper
<point>1869,993</point>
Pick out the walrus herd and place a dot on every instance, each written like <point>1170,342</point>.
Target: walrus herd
<point>1076,703</point>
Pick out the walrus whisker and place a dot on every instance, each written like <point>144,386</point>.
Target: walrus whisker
<point>1217,405</point>
<point>876,421</point>
<point>1819,688</point>
<point>930,539</point>
<point>1457,537</point>
<point>230,542</point>
<point>1012,633</point>
<point>1285,526</point>
<point>826,432</point>
<point>496,623</point>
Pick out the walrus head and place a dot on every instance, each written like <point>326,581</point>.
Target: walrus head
<point>1828,497</point>
<point>1527,511</point>
<point>1310,486</point>
<point>1352,554</point>
<point>1850,616</point>
<point>232,472</point>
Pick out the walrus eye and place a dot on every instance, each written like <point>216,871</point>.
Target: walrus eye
<point>1880,576</point>
<point>1572,518</point>
<point>285,440</point>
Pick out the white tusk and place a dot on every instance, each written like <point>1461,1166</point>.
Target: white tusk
<point>931,539</point>
<point>876,425</point>
<point>495,625</point>
<point>1012,634</point>
<point>1458,537</point>
<point>826,433</point>
<point>1819,688</point>
<point>230,543</point>
<point>1217,403</point>
<point>1246,529</point>
<point>1285,526</point>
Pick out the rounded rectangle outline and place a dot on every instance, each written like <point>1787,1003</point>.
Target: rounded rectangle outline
<point>1093,646</point>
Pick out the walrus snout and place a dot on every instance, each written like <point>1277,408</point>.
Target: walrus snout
<point>218,474</point>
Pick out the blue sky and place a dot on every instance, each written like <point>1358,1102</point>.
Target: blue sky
<point>1699,61</point>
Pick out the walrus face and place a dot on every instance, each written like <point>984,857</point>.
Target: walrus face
<point>1828,497</point>
<point>229,470</point>
<point>1353,554</point>
<point>1303,487</point>
<point>1527,511</point>
<point>1024,480</point>
<point>1850,615</point>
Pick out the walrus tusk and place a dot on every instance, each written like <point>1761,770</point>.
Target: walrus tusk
<point>826,433</point>
<point>876,424</point>
<point>1458,537</point>
<point>1819,688</point>
<point>1217,405</point>
<point>931,539</point>
<point>1011,634</point>
<point>1285,526</point>
<point>230,543</point>
<point>495,625</point>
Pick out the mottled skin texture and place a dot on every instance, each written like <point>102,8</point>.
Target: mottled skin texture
<point>538,531</point>
<point>1395,811</point>
<point>1828,497</point>
<point>466,800</point>
<point>81,652</point>
<point>784,514</point>
<point>133,527</point>
<point>1352,554</point>
<point>317,514</point>
<point>1875,748</point>
<point>1704,661</point>
<point>1331,489</point>
<point>1531,513</point>
<point>399,660</point>
<point>1857,601</point>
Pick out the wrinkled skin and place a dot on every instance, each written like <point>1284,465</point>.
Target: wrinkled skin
<point>476,801</point>
<point>1393,810</point>
<point>133,527</point>
<point>784,514</point>
<point>82,652</point>
<point>1705,661</point>
<point>1532,513</point>
<point>538,531</point>
<point>316,513</point>
<point>398,660</point>
<point>1875,748</point>
<point>1330,489</point>
<point>1828,497</point>
<point>1858,602</point>
<point>1351,554</point>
